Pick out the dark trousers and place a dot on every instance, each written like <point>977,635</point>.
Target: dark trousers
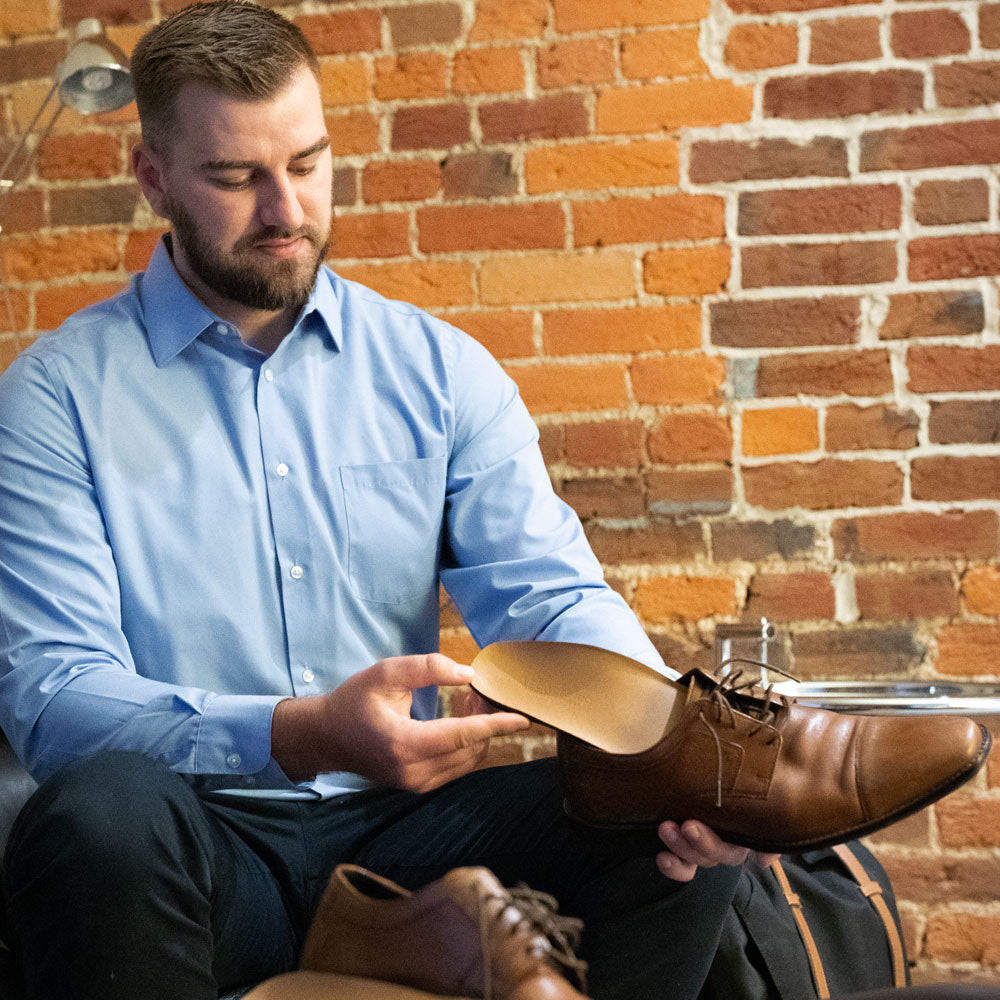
<point>122,882</point>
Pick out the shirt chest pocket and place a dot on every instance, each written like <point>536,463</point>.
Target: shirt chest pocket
<point>394,516</point>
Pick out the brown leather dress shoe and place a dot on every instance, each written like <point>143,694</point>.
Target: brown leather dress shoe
<point>464,935</point>
<point>760,770</point>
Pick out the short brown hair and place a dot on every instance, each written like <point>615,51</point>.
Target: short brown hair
<point>238,48</point>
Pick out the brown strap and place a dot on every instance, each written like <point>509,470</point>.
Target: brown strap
<point>873,892</point>
<point>812,952</point>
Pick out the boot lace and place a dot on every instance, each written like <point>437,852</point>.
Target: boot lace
<point>769,713</point>
<point>522,910</point>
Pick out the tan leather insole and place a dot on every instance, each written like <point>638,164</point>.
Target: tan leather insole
<point>609,700</point>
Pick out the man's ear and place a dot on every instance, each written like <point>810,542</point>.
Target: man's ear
<point>149,169</point>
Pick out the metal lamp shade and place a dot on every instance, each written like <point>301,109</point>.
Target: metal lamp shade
<point>94,76</point>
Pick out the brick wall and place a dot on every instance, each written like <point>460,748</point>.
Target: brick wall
<point>742,261</point>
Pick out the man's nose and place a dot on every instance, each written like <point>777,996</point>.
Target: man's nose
<point>278,204</point>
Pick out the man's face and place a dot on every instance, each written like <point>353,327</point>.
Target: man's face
<point>246,186</point>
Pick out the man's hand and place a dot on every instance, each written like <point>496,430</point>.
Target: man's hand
<point>364,726</point>
<point>692,845</point>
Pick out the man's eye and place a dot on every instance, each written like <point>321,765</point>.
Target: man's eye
<point>230,184</point>
<point>303,170</point>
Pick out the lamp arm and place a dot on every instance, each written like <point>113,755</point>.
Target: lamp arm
<point>6,185</point>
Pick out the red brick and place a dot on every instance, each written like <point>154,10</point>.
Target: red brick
<point>109,11</point>
<point>953,144</point>
<point>685,598</point>
<point>957,936</point>
<point>854,373</point>
<point>432,284</point>
<point>431,126</point>
<point>659,542</point>
<point>954,257</point>
<point>352,133</point>
<point>780,430</point>
<point>790,597</point>
<point>597,166</point>
<point>946,203</point>
<point>576,61</point>
<point>555,116</point>
<point>500,19</point>
<point>593,15</point>
<point>57,302</point>
<point>955,477</point>
<point>562,388</point>
<point>424,23</point>
<point>696,270</point>
<point>965,421</point>
<point>981,590</point>
<point>411,75</point>
<point>689,492</point>
<point>79,157</point>
<point>944,879</point>
<point>691,437</point>
<point>139,247</point>
<point>667,106</point>
<point>619,497</point>
<point>372,234</point>
<point>968,650</point>
<point>480,71</point>
<point>860,428</point>
<point>93,206</point>
<point>556,277</point>
<point>858,208</point>
<point>904,596</point>
<point>15,316</point>
<point>648,220</point>
<point>755,541</point>
<point>921,34</point>
<point>551,442</point>
<point>793,264</point>
<point>785,322</point>
<point>857,652</point>
<point>348,81</point>
<point>841,95</point>
<point>22,211</point>
<point>532,226</point>
<point>345,186</point>
<point>37,258</point>
<point>478,175</point>
<point>989,25</point>
<point>31,60</point>
<point>779,6</point>
<point>971,822</point>
<point>503,334</point>
<point>605,444</point>
<point>908,536</point>
<point>677,380</point>
<point>670,53</point>
<point>933,314</point>
<point>954,369</point>
<point>844,39</point>
<point>616,331</point>
<point>961,85</point>
<point>913,831</point>
<point>823,485</point>
<point>767,159</point>
<point>752,46</point>
<point>342,31</point>
<point>407,180</point>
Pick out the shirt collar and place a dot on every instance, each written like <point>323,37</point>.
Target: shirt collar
<point>175,316</point>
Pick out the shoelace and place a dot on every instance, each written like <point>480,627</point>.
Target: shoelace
<point>770,713</point>
<point>534,913</point>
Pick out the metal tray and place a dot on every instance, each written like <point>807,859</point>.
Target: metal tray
<point>897,697</point>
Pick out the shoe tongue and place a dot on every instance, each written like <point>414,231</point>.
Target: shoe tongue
<point>701,684</point>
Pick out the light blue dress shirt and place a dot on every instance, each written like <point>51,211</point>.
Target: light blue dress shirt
<point>191,531</point>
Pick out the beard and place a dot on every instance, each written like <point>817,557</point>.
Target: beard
<point>266,285</point>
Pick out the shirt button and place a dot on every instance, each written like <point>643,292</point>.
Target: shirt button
<point>221,328</point>
<point>308,676</point>
<point>268,375</point>
<point>234,760</point>
<point>281,469</point>
<point>296,572</point>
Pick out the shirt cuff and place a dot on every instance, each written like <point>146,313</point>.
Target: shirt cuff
<point>235,734</point>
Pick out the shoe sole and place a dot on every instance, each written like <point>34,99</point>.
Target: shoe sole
<point>770,847</point>
<point>608,700</point>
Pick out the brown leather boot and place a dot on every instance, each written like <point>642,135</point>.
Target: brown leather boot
<point>463,935</point>
<point>759,769</point>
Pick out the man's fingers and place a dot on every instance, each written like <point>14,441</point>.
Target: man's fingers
<point>406,673</point>
<point>696,844</point>
<point>436,737</point>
